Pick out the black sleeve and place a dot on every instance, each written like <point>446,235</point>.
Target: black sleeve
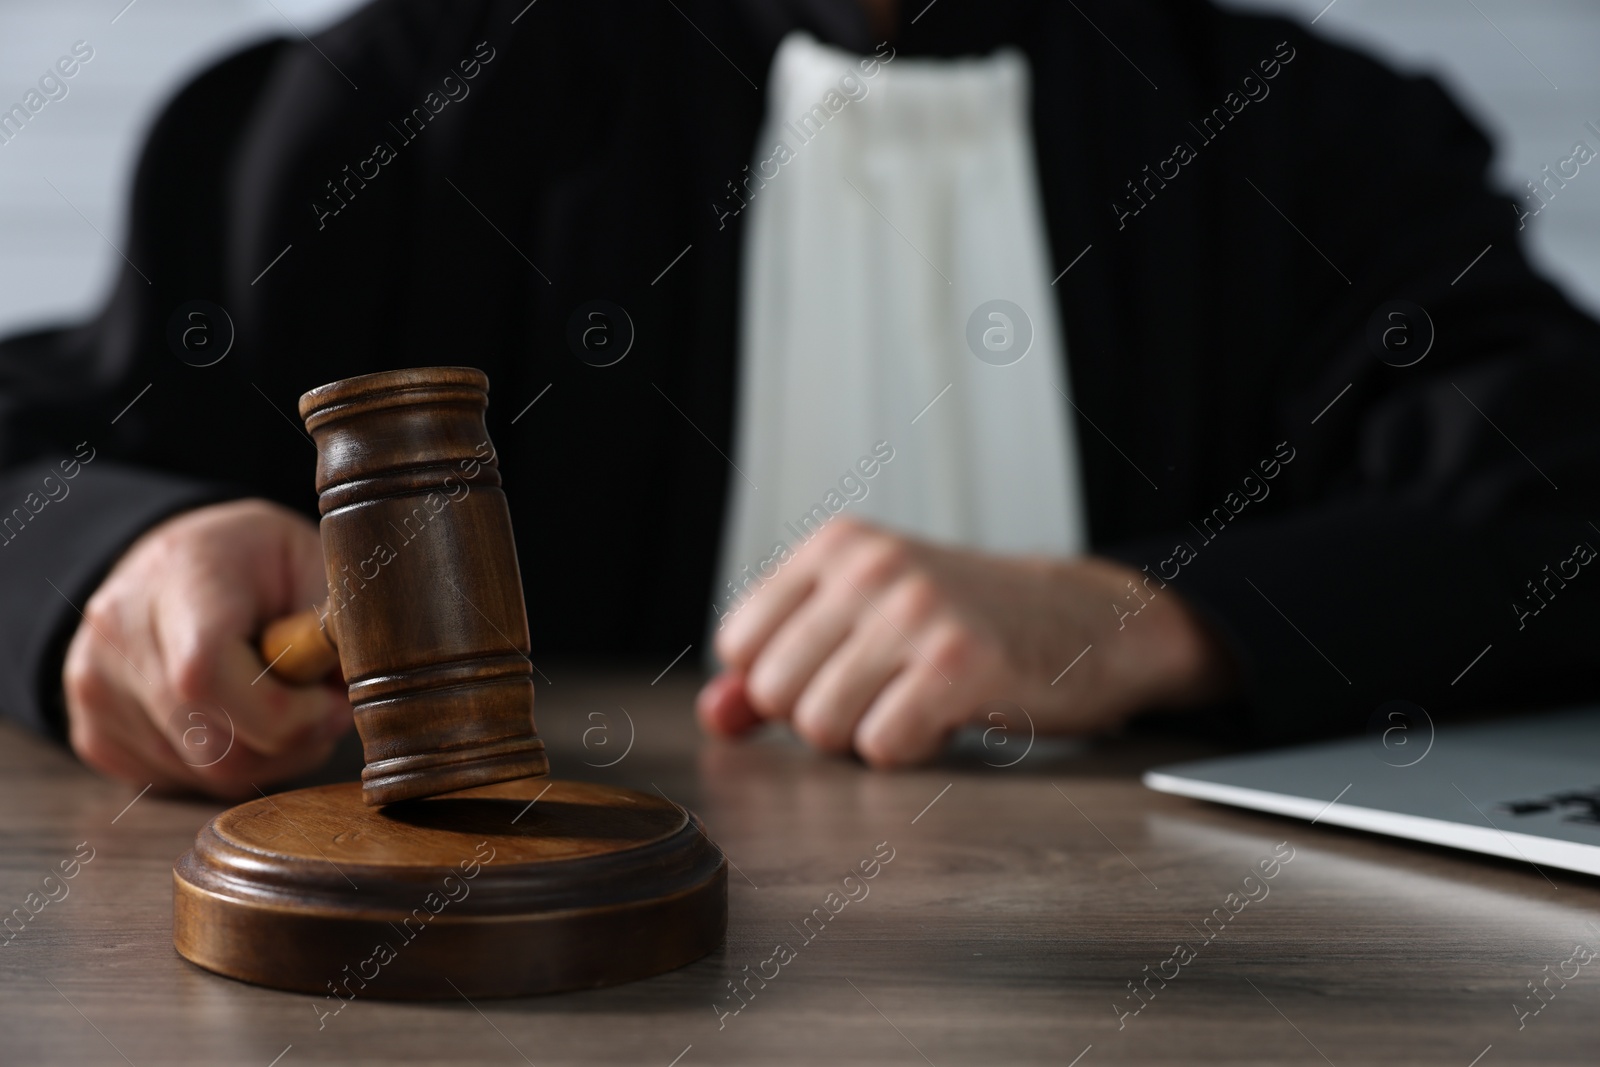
<point>83,411</point>
<point>1429,540</point>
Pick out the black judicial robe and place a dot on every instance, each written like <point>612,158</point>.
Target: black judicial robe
<point>1247,201</point>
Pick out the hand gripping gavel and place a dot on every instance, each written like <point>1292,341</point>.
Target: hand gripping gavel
<point>513,887</point>
<point>425,614</point>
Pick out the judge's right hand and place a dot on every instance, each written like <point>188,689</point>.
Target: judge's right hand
<point>162,680</point>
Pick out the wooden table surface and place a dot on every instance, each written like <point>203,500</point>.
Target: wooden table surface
<point>1019,903</point>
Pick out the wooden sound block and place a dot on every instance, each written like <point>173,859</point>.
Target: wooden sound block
<point>529,886</point>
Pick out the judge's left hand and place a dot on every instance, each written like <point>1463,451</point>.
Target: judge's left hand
<point>872,641</point>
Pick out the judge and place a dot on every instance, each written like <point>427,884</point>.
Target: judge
<point>1099,358</point>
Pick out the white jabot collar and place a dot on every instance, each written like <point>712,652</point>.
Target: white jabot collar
<point>885,212</point>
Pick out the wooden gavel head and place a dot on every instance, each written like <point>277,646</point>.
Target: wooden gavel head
<point>597,885</point>
<point>424,594</point>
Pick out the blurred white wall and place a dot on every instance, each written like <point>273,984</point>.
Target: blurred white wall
<point>53,263</point>
<point>1529,70</point>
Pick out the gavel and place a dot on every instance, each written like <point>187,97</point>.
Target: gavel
<point>523,883</point>
<point>425,615</point>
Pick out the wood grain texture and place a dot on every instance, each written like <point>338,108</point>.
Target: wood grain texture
<point>1002,932</point>
<point>425,595</point>
<point>531,886</point>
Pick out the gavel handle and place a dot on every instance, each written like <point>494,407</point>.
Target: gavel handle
<point>299,648</point>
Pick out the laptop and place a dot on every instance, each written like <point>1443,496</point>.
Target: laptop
<point>1526,788</point>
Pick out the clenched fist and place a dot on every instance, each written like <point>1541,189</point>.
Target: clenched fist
<point>872,641</point>
<point>162,676</point>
